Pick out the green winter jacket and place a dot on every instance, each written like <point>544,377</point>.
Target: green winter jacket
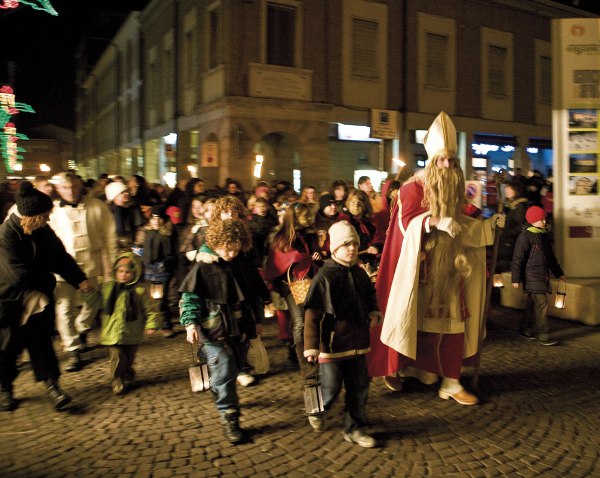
<point>116,330</point>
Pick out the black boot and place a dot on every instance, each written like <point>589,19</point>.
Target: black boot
<point>59,398</point>
<point>7,401</point>
<point>231,426</point>
<point>84,341</point>
<point>74,364</point>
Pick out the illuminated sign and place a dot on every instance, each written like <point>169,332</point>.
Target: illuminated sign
<point>350,132</point>
<point>481,149</point>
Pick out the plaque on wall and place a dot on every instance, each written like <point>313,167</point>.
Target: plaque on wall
<point>583,163</point>
<point>583,185</point>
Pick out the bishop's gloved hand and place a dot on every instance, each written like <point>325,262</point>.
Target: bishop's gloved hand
<point>449,226</point>
<point>498,220</point>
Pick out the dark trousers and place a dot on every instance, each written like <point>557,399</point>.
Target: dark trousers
<point>536,317</point>
<point>353,374</point>
<point>121,361</point>
<point>308,370</point>
<point>165,310</point>
<point>36,337</point>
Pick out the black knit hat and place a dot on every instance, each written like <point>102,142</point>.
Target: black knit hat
<point>325,200</point>
<point>30,201</point>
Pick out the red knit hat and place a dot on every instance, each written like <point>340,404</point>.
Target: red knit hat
<point>535,214</point>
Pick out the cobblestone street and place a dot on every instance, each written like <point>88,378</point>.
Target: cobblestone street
<point>538,417</point>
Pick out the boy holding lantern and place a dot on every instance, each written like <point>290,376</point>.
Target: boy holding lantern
<point>218,314</point>
<point>533,260</point>
<point>340,307</point>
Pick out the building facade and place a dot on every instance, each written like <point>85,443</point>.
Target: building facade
<point>264,89</point>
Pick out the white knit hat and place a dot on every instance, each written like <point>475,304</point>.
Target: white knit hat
<point>340,234</point>
<point>113,189</point>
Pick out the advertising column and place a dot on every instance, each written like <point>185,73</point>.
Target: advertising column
<point>576,136</point>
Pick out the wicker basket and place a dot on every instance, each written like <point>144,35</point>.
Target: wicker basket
<point>299,288</point>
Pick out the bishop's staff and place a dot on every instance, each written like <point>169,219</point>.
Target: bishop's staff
<point>500,178</point>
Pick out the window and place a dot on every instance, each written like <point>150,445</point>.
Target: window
<point>189,57</point>
<point>168,76</point>
<point>496,70</point>
<point>281,28</point>
<point>436,64</point>
<point>364,48</point>
<point>214,38</point>
<point>545,86</point>
<point>151,80</point>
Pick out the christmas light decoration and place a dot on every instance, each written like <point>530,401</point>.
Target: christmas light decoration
<point>9,136</point>
<point>43,5</point>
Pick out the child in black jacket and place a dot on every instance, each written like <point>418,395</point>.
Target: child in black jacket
<point>339,309</point>
<point>533,259</point>
<point>217,313</point>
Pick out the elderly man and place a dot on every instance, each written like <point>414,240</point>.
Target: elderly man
<point>431,282</point>
<point>86,227</point>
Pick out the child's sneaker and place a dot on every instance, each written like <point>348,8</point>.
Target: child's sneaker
<point>245,379</point>
<point>548,342</point>
<point>360,438</point>
<point>118,386</point>
<point>316,422</point>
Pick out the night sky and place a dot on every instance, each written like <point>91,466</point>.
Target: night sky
<point>42,47</point>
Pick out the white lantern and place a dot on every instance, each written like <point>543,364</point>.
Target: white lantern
<point>313,399</point>
<point>498,280</point>
<point>561,295</point>
<point>199,372</point>
<point>156,290</point>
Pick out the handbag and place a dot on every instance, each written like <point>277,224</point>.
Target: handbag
<point>257,356</point>
<point>298,288</point>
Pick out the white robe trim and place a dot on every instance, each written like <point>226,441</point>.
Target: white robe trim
<point>401,323</point>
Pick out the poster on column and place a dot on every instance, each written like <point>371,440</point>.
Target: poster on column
<point>210,155</point>
<point>576,141</point>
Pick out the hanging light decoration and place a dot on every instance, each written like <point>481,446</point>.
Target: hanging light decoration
<point>43,5</point>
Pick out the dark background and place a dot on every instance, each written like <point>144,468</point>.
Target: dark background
<point>42,48</point>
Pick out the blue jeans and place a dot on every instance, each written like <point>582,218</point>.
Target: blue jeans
<point>355,377</point>
<point>223,373</point>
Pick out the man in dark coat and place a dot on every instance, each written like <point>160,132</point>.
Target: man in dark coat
<point>31,255</point>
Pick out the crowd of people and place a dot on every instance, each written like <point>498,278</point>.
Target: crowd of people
<point>362,284</point>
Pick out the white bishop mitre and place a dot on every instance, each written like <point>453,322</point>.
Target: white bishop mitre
<point>441,137</point>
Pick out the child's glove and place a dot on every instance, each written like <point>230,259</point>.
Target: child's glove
<point>192,333</point>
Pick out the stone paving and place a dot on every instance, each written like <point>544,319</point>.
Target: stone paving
<point>538,417</point>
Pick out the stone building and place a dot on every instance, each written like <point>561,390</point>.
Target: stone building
<point>264,89</point>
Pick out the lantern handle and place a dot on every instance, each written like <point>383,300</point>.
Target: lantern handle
<point>195,353</point>
<point>564,281</point>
